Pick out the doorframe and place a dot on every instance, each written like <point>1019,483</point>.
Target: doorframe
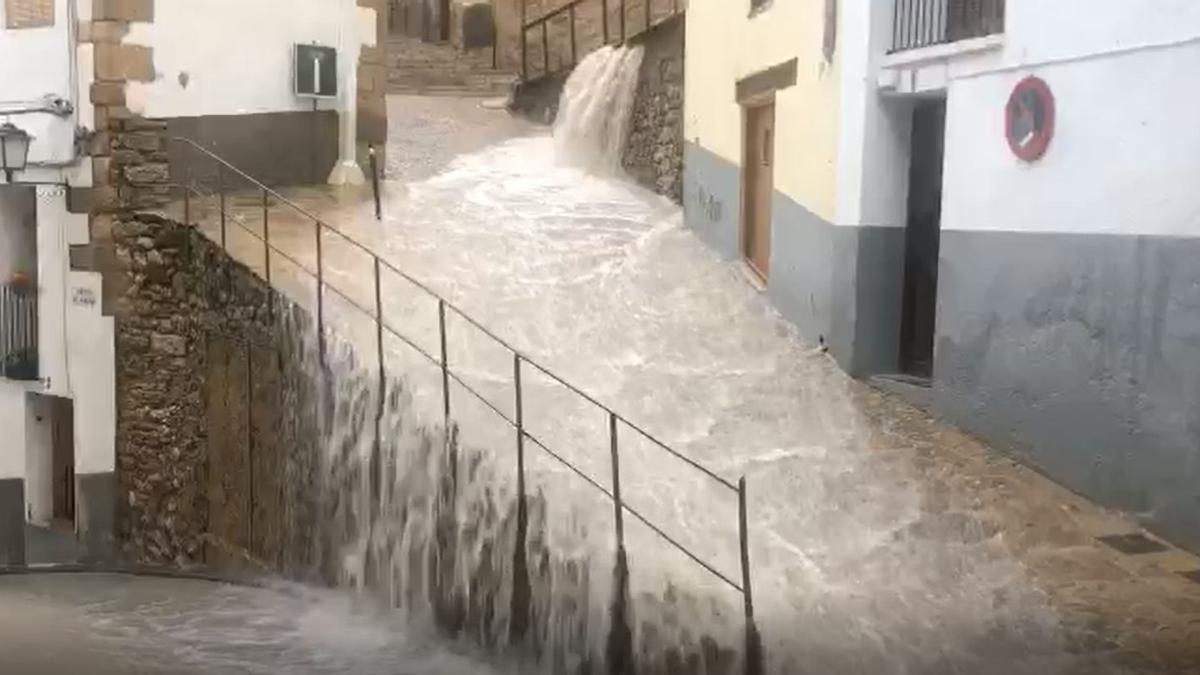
<point>756,277</point>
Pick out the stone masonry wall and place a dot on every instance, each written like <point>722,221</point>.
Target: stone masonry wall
<point>654,151</point>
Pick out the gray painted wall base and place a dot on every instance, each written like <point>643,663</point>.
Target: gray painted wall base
<point>1081,354</point>
<point>95,511</point>
<point>12,522</point>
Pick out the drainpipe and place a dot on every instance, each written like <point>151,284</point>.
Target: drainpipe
<point>347,171</point>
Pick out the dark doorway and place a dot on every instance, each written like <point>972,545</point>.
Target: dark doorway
<point>922,238</point>
<point>62,433</point>
<point>444,20</point>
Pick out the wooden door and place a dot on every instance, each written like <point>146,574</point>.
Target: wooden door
<point>758,186</point>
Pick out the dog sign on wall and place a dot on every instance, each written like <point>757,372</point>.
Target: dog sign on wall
<point>1029,119</point>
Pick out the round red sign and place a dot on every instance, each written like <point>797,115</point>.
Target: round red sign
<point>1029,119</point>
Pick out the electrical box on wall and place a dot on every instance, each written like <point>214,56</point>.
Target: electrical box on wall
<point>315,69</point>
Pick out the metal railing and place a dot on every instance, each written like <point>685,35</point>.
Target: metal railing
<point>18,333</point>
<point>520,363</point>
<point>925,23</point>
<point>624,30</point>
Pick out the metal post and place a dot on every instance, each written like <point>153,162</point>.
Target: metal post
<point>604,19</point>
<point>266,204</point>
<point>187,197</point>
<point>753,658</point>
<point>574,58</point>
<point>545,48</point>
<point>445,361</point>
<point>622,21</point>
<point>377,455</point>
<point>375,182</point>
<point>521,593</point>
<point>320,294</point>
<point>524,42</point>
<point>250,440</point>
<point>649,15</point>
<point>618,509</point>
<point>221,191</point>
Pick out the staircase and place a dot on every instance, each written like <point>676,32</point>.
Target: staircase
<point>440,69</point>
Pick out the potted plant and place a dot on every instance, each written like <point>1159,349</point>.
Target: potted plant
<point>21,364</point>
<point>20,282</point>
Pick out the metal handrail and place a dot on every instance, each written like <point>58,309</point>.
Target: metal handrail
<point>570,8</point>
<point>519,359</point>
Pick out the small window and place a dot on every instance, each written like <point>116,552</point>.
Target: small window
<point>29,13</point>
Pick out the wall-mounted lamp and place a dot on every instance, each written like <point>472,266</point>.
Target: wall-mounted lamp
<point>14,149</point>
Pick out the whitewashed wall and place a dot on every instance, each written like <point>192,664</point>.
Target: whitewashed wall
<point>1127,144</point>
<point>35,62</point>
<point>236,56</point>
<point>12,421</point>
<point>39,460</point>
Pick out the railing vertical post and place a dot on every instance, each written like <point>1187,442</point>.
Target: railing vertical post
<point>320,294</point>
<point>574,58</point>
<point>445,362</point>
<point>524,42</point>
<point>622,21</point>
<point>604,19</point>
<point>753,658</point>
<point>377,454</point>
<point>522,593</point>
<point>187,197</point>
<point>221,192</point>
<point>250,441</point>
<point>649,15</point>
<point>266,205</point>
<point>618,509</point>
<point>375,182</point>
<point>545,48</point>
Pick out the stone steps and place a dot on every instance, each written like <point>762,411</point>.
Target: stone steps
<point>440,69</point>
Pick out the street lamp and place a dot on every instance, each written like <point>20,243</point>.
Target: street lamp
<point>14,149</point>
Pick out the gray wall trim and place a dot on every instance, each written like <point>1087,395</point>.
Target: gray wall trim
<point>868,273</point>
<point>279,148</point>
<point>801,274</point>
<point>712,199</point>
<point>95,513</point>
<point>12,522</point>
<point>766,81</point>
<point>1080,353</point>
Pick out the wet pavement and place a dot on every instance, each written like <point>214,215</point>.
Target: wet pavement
<point>105,624</point>
<point>879,528</point>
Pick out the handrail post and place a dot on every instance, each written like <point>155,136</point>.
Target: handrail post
<point>622,21</point>
<point>377,454</point>
<point>320,295</point>
<point>604,19</point>
<point>375,182</point>
<point>545,48</point>
<point>649,15</point>
<point>618,509</point>
<point>753,657</point>
<point>187,197</point>
<point>524,41</point>
<point>521,593</point>
<point>445,362</point>
<point>221,191</point>
<point>266,205</point>
<point>574,57</point>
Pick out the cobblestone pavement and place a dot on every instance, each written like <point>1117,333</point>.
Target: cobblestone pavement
<point>1139,611</point>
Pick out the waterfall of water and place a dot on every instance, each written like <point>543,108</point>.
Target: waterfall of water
<point>594,111</point>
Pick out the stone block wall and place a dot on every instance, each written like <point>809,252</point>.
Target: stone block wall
<point>654,151</point>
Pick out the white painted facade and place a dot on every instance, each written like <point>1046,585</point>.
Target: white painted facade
<point>1125,128</point>
<point>75,341</point>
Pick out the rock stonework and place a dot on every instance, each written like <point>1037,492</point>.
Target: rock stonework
<point>209,388</point>
<point>654,151</point>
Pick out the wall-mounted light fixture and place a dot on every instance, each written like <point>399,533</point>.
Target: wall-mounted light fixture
<point>14,149</point>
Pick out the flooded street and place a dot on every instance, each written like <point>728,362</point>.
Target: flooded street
<point>880,542</point>
<point>106,624</point>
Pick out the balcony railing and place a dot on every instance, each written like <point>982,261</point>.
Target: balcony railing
<point>924,23</point>
<point>18,333</point>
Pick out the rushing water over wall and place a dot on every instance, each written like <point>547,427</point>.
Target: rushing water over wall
<point>856,569</point>
<point>593,114</point>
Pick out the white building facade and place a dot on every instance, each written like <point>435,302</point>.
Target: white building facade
<point>71,73</point>
<point>1011,234</point>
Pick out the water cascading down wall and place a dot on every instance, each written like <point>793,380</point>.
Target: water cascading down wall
<point>249,443</point>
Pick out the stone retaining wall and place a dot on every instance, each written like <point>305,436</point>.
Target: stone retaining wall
<point>654,151</point>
